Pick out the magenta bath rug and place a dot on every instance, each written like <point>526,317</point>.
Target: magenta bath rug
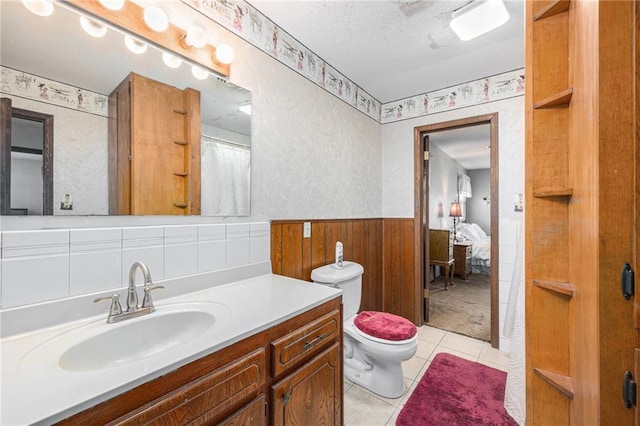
<point>455,391</point>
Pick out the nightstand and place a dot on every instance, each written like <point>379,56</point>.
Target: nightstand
<point>462,256</point>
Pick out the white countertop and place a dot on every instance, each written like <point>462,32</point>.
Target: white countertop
<point>41,392</point>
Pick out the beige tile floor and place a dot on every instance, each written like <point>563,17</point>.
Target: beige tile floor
<point>364,408</point>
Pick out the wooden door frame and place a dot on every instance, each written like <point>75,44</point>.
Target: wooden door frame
<point>7,112</point>
<point>421,243</point>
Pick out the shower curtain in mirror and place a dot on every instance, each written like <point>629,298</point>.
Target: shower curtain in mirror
<point>225,178</point>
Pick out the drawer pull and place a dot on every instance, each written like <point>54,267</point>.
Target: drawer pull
<point>309,345</point>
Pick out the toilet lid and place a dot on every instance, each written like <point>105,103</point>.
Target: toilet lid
<point>385,326</point>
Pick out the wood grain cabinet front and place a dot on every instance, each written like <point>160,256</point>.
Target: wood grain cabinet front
<point>298,345</point>
<point>311,395</point>
<point>206,397</point>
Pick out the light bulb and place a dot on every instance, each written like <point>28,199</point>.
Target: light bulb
<point>199,72</point>
<point>112,4</point>
<point>39,7</point>
<point>224,54</point>
<point>156,19</point>
<point>195,37</point>
<point>136,46</point>
<point>93,28</point>
<point>172,61</point>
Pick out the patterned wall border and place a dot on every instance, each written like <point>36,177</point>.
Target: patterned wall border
<point>25,85</point>
<point>248,23</point>
<point>490,89</point>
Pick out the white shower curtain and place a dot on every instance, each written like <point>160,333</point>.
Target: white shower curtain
<point>225,178</point>
<point>515,390</point>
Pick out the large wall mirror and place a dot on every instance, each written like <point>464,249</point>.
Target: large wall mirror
<point>51,67</point>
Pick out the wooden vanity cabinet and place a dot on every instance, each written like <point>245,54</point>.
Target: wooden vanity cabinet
<point>267,378</point>
<point>154,148</point>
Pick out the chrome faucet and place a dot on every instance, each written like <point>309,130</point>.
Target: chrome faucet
<point>115,311</point>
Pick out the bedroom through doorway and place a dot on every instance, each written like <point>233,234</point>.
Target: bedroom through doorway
<point>458,223</point>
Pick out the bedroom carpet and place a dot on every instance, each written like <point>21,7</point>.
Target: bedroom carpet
<point>455,391</point>
<point>465,308</point>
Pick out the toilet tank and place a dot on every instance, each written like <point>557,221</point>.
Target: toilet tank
<point>348,279</point>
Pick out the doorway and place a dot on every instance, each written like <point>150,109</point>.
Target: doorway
<point>422,213</point>
<point>26,161</point>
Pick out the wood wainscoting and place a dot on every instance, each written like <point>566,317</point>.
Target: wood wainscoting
<point>384,247</point>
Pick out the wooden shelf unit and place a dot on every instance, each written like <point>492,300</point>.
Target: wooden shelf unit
<point>547,224</point>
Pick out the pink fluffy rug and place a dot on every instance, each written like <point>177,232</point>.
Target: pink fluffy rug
<point>455,391</point>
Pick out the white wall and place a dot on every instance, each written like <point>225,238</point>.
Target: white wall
<point>26,182</point>
<point>443,187</point>
<point>477,209</point>
<point>397,175</point>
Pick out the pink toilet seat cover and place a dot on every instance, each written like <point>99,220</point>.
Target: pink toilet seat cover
<point>385,326</point>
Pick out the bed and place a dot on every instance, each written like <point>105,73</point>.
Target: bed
<point>481,250</point>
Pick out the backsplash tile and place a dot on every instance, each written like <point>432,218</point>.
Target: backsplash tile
<point>212,247</point>
<point>238,244</point>
<point>95,260</point>
<point>35,266</point>
<point>180,250</point>
<point>42,265</point>
<point>146,244</point>
<point>260,242</point>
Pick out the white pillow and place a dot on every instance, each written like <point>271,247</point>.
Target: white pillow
<point>467,232</point>
<point>478,231</point>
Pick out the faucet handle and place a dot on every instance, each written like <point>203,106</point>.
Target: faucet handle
<point>115,309</point>
<point>147,302</point>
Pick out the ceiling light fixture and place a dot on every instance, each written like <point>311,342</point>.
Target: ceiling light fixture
<point>478,17</point>
<point>112,4</point>
<point>199,72</point>
<point>172,61</point>
<point>39,7</point>
<point>155,19</point>
<point>195,37</point>
<point>224,54</point>
<point>93,28</point>
<point>136,46</point>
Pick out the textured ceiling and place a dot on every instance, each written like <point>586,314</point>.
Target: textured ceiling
<point>397,49</point>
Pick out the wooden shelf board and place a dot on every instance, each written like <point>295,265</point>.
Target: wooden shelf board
<point>563,288</point>
<point>561,99</point>
<point>553,192</point>
<point>562,384</point>
<point>553,8</point>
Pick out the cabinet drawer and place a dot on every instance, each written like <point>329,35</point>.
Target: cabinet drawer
<point>251,414</point>
<point>206,397</point>
<point>303,342</point>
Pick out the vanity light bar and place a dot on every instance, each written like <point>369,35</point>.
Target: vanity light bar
<point>129,20</point>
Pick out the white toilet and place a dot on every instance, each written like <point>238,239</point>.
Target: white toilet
<point>372,362</point>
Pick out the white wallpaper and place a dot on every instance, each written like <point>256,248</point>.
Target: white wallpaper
<point>312,155</point>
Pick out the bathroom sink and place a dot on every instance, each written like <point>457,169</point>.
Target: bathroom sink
<point>99,345</point>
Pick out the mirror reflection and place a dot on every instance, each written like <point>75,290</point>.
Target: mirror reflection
<point>193,163</point>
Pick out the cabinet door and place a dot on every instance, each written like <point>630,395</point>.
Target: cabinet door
<point>311,395</point>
